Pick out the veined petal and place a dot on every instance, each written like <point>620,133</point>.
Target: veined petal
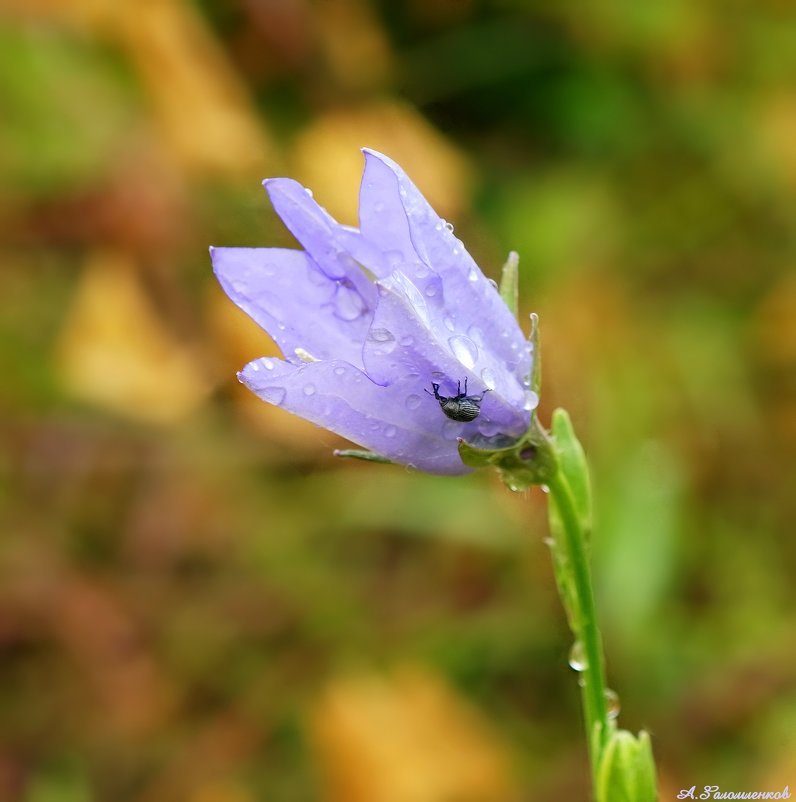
<point>399,422</point>
<point>335,248</point>
<point>401,342</point>
<point>395,214</point>
<point>286,293</point>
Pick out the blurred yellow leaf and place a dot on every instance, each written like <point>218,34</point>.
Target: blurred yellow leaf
<point>406,738</point>
<point>778,130</point>
<point>218,792</point>
<point>354,44</point>
<point>199,101</point>
<point>115,352</point>
<point>328,160</point>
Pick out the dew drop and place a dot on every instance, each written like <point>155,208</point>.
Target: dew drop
<point>390,431</point>
<point>421,271</point>
<point>493,283</point>
<point>476,335</point>
<point>407,340</point>
<point>464,349</point>
<point>339,371</point>
<point>309,389</point>
<point>255,367</point>
<point>274,395</point>
<point>456,251</point>
<point>612,705</point>
<point>375,426</point>
<point>449,227</point>
<point>268,364</point>
<point>413,401</point>
<point>448,323</point>
<point>577,657</point>
<point>348,303</point>
<point>451,429</point>
<point>472,275</point>
<point>531,401</point>
<point>431,290</point>
<point>380,335</point>
<point>488,429</point>
<point>488,378</point>
<point>308,191</point>
<point>438,227</point>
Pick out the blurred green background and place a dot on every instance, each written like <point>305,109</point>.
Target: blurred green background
<point>197,601</point>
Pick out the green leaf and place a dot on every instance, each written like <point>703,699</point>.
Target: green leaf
<point>627,771</point>
<point>509,282</point>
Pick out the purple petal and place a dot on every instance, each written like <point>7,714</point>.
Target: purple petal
<point>286,293</point>
<point>400,422</point>
<point>334,247</point>
<point>394,214</point>
<point>402,341</point>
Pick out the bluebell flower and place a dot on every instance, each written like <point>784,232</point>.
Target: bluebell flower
<point>370,319</point>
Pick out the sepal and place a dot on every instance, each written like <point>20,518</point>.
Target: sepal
<point>367,456</point>
<point>531,460</point>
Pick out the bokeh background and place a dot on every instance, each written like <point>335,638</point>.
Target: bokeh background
<point>197,601</point>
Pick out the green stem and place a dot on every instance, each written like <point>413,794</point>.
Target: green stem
<point>583,619</point>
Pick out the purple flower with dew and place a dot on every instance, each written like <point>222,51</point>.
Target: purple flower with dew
<point>364,347</point>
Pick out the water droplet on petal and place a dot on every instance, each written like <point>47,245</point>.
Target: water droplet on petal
<point>472,274</point>
<point>255,367</point>
<point>451,429</point>
<point>413,401</point>
<point>577,657</point>
<point>274,395</point>
<point>309,389</point>
<point>378,206</point>
<point>612,704</point>
<point>493,283</point>
<point>407,340</point>
<point>464,349</point>
<point>488,428</point>
<point>448,323</point>
<point>384,341</point>
<point>308,191</point>
<point>268,364</point>
<point>476,335</point>
<point>431,290</point>
<point>488,378</point>
<point>449,227</point>
<point>390,431</point>
<point>531,401</point>
<point>348,303</point>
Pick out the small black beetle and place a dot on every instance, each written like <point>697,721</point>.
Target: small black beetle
<point>460,407</point>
